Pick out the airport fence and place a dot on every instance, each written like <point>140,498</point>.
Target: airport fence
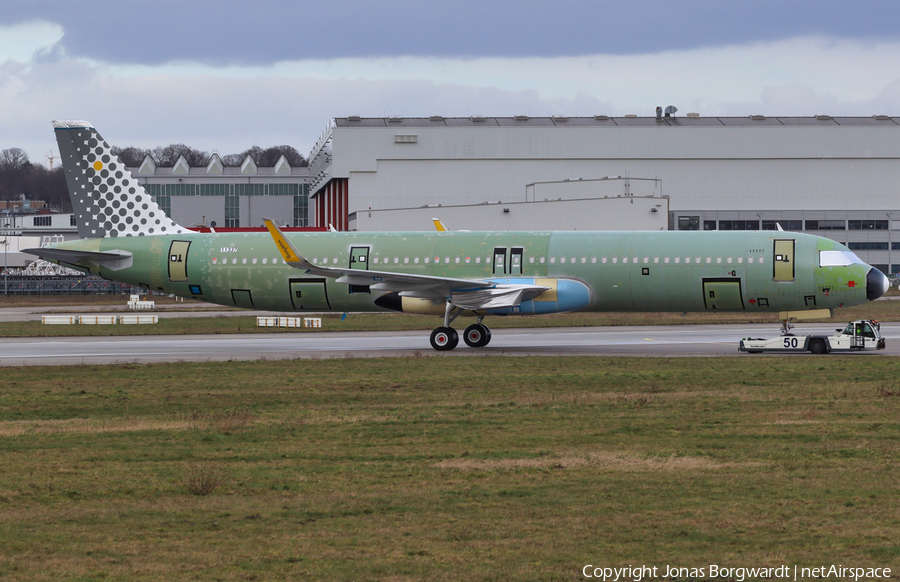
<point>65,285</point>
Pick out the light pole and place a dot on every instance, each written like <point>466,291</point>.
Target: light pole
<point>5,253</point>
<point>890,272</point>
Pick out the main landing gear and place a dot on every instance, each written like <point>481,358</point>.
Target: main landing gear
<point>445,338</point>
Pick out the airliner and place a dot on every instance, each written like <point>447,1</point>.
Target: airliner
<point>126,237</point>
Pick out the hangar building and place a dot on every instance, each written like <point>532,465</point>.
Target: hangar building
<point>227,196</point>
<point>831,176</point>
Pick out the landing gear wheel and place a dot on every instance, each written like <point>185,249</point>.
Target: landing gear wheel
<point>477,335</point>
<point>817,346</point>
<point>444,338</point>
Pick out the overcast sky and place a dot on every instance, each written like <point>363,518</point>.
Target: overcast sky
<point>270,73</point>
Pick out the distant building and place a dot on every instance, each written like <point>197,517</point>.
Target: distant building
<point>22,206</point>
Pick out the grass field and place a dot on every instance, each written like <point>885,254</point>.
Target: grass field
<point>446,468</point>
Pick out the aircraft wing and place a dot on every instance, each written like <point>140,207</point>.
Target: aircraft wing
<point>464,293</point>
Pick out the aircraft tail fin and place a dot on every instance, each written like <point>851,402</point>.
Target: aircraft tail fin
<point>106,199</point>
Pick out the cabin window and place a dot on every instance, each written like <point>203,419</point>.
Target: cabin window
<point>583,259</point>
<point>234,261</point>
<point>718,259</point>
<point>244,261</point>
<point>405,260</point>
<point>531,260</point>
<point>427,260</point>
<point>456,260</point>
<point>593,259</point>
<point>677,259</point>
<point>708,260</point>
<point>265,260</point>
<point>655,259</point>
<point>416,260</point>
<point>615,260</point>
<point>396,260</point>
<point>740,260</point>
<point>478,260</point>
<point>542,260</point>
<point>762,260</point>
<point>646,260</point>
<point>697,259</point>
<point>687,260</point>
<point>603,259</point>
<point>624,260</point>
<point>468,260</point>
<point>254,260</point>
<point>666,260</point>
<point>634,260</point>
<point>561,260</point>
<point>728,260</point>
<point>552,260</point>
<point>749,259</point>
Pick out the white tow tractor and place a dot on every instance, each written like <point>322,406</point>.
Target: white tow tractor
<point>860,335</point>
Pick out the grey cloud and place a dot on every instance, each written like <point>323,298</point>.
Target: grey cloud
<point>270,30</point>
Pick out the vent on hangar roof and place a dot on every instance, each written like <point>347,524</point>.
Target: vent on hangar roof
<point>758,117</point>
<point>477,118</point>
<point>521,118</point>
<point>882,117</point>
<point>395,119</point>
<point>354,118</point>
<point>601,117</point>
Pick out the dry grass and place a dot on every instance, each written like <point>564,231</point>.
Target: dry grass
<point>445,468</point>
<point>202,478</point>
<point>604,461</point>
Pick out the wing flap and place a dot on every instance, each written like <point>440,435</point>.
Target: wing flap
<point>496,297</point>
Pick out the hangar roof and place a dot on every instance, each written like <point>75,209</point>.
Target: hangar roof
<point>607,121</point>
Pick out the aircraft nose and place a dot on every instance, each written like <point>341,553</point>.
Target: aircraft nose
<point>876,284</point>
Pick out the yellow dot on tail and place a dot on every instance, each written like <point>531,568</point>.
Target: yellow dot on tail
<point>98,165</point>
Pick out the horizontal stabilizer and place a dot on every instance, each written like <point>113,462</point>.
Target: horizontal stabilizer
<point>114,260</point>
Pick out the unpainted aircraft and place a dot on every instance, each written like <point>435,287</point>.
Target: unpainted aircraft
<point>127,237</point>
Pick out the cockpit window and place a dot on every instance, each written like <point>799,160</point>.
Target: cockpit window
<point>838,259</point>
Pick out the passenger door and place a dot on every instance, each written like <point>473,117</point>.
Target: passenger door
<point>359,259</point>
<point>783,265</point>
<point>178,254</point>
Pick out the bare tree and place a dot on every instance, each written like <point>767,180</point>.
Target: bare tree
<point>130,156</point>
<point>168,155</point>
<point>14,159</point>
<point>267,157</point>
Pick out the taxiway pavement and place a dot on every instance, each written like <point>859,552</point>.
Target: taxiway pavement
<point>659,341</point>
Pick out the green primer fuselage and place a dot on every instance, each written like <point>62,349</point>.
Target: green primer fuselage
<point>625,271</point>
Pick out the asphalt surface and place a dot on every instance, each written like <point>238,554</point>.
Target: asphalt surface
<point>658,341</point>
